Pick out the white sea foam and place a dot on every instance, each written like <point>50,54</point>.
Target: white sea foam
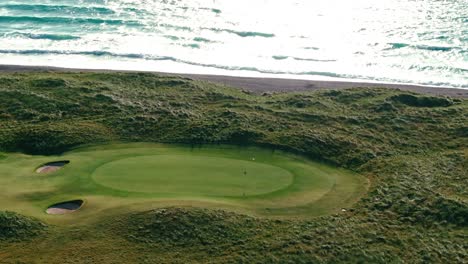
<point>424,42</point>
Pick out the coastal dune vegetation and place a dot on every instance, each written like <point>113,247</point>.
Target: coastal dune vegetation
<point>402,155</point>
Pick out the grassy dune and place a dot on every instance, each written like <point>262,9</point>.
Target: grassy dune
<point>411,148</point>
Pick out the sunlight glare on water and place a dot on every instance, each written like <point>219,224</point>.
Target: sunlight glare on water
<point>419,41</point>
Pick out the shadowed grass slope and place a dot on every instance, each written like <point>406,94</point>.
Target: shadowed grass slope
<point>188,227</point>
<point>16,227</point>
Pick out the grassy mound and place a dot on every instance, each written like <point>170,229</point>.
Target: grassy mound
<point>17,227</point>
<point>422,101</point>
<point>191,226</point>
<point>56,137</point>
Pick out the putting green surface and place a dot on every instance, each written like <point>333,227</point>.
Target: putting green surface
<point>128,177</point>
<point>187,175</point>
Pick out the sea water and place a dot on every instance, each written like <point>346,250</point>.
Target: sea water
<point>402,41</point>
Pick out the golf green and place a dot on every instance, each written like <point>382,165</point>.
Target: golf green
<point>139,176</point>
<point>187,175</point>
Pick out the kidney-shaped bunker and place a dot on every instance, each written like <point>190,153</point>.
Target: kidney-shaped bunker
<point>65,207</point>
<point>52,166</point>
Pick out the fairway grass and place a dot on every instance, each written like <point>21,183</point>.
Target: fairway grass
<point>139,176</point>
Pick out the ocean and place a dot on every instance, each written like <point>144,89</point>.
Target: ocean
<point>396,41</point>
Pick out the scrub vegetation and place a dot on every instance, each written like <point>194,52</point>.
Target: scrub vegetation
<point>15,227</point>
<point>412,148</point>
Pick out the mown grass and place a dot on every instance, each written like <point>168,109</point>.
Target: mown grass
<point>192,175</point>
<point>413,148</point>
<point>134,176</point>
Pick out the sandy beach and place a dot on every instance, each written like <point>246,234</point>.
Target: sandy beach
<point>260,85</point>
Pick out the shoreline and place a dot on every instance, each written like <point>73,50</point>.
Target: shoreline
<point>261,84</point>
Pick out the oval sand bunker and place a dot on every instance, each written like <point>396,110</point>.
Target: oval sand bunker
<point>52,166</point>
<point>64,207</point>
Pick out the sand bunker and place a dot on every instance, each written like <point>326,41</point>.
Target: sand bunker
<point>52,166</point>
<point>65,207</point>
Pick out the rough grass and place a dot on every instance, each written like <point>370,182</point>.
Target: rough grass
<point>413,148</point>
<point>421,101</point>
<point>189,227</point>
<point>16,227</point>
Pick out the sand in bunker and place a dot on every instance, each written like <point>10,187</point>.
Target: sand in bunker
<point>52,166</point>
<point>65,207</point>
